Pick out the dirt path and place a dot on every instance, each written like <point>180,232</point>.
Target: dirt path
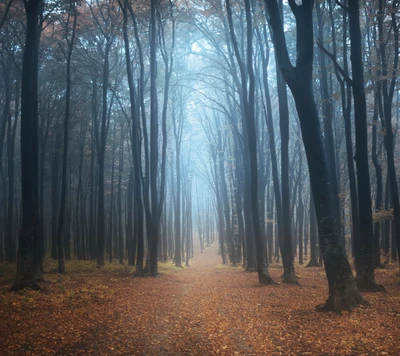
<point>206,309</point>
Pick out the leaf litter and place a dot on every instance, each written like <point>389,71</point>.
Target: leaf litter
<point>205,309</point>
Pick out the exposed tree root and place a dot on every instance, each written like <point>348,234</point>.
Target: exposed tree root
<point>369,285</point>
<point>289,277</point>
<point>339,301</point>
<point>264,277</point>
<point>251,268</point>
<point>313,264</point>
<point>20,286</point>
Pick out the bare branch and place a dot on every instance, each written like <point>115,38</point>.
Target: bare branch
<point>335,63</point>
<point>341,5</point>
<point>5,14</point>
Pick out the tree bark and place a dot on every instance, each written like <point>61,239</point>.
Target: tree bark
<point>363,250</point>
<point>60,226</point>
<point>388,92</point>
<point>343,292</point>
<point>29,260</point>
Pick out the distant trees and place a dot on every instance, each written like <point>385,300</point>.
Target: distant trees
<point>147,114</point>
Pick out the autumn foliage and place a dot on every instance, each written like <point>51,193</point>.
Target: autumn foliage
<point>206,309</point>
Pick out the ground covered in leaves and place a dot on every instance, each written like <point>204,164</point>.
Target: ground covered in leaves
<point>206,309</point>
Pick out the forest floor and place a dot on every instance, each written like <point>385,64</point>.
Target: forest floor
<point>205,309</point>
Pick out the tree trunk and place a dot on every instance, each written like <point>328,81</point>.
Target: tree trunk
<point>388,92</point>
<point>343,292</point>
<point>28,267</point>
<point>60,225</point>
<point>363,257</point>
<point>155,216</point>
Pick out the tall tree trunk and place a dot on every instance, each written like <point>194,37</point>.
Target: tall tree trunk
<point>11,133</point>
<point>388,93</point>
<point>327,112</point>
<point>251,264</point>
<point>343,292</point>
<point>313,235</point>
<point>138,225</point>
<point>60,226</point>
<point>286,247</point>
<point>101,134</point>
<point>363,249</point>
<point>28,267</point>
<point>9,249</point>
<point>262,264</point>
<point>120,234</point>
<point>300,211</point>
<point>379,179</point>
<point>155,216</point>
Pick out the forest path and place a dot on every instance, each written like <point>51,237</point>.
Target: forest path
<point>204,309</point>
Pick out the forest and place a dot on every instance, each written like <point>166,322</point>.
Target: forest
<point>199,177</point>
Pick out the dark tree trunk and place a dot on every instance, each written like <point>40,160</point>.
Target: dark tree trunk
<point>219,207</point>
<point>345,88</point>
<point>178,197</point>
<point>262,264</point>
<point>343,292</point>
<point>92,243</point>
<point>10,247</point>
<point>80,201</point>
<point>130,239</point>
<point>224,196</point>
<point>238,203</point>
<point>327,112</point>
<point>101,134</point>
<point>154,232</point>
<point>388,93</point>
<point>270,224</point>
<point>285,225</point>
<point>313,235</point>
<point>168,58</point>
<point>300,211</point>
<point>55,191</point>
<point>60,225</point>
<point>251,264</point>
<point>110,232</point>
<point>28,267</point>
<point>138,225</point>
<point>274,162</point>
<point>363,249</point>
<point>120,234</point>
<point>379,180</point>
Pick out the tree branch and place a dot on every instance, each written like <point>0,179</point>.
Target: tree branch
<point>341,5</point>
<point>335,63</point>
<point>279,40</point>
<point>5,13</point>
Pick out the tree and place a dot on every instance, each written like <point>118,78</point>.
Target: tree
<point>388,87</point>
<point>248,101</point>
<point>70,43</point>
<point>363,249</point>
<point>29,272</point>
<point>343,292</point>
<point>106,20</point>
<point>178,123</point>
<point>154,161</point>
<point>285,225</point>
